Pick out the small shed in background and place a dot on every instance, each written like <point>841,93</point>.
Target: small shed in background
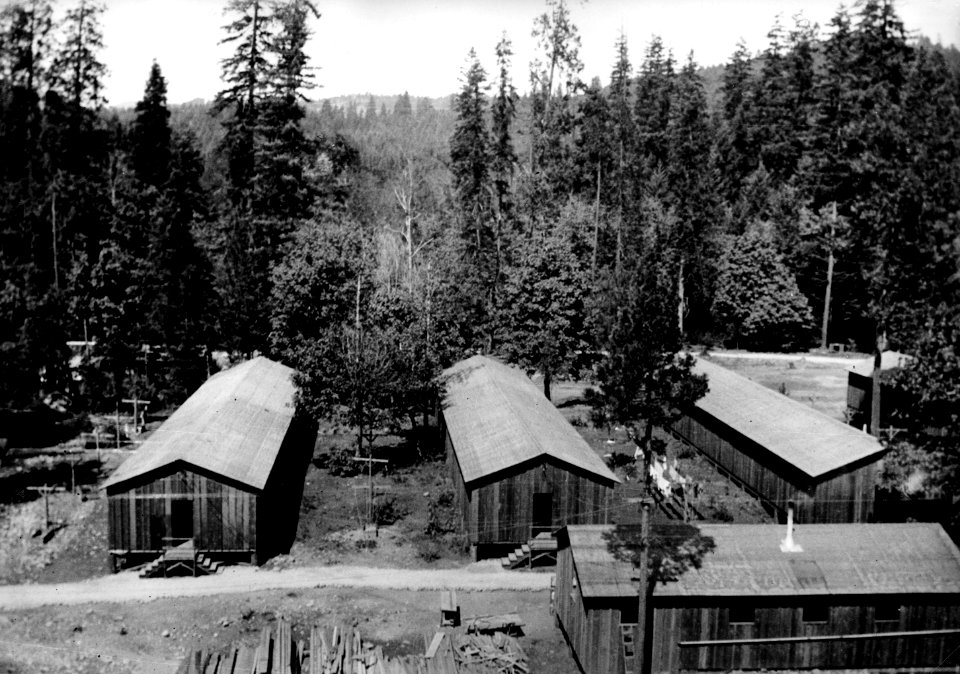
<point>783,451</point>
<point>225,471</point>
<point>877,597</point>
<point>860,389</point>
<point>519,468</point>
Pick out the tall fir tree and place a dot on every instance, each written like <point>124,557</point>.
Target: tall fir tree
<point>736,139</point>
<point>503,113</point>
<point>150,134</point>
<point>470,157</point>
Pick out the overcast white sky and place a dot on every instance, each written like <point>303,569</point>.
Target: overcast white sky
<point>389,46</point>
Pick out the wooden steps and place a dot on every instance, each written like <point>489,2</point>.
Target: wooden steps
<point>181,560</point>
<point>542,547</point>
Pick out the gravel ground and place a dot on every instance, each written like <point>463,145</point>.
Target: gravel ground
<point>127,586</point>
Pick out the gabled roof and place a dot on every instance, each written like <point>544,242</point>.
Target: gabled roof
<point>497,419</point>
<point>836,559</point>
<point>600,573</point>
<point>807,439</point>
<point>889,360</point>
<point>233,425</point>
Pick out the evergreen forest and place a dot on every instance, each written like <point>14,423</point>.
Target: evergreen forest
<point>802,197</point>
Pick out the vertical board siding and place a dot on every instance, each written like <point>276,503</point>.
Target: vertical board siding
<point>846,497</point>
<point>592,627</point>
<point>224,516</point>
<point>504,512</point>
<point>705,623</point>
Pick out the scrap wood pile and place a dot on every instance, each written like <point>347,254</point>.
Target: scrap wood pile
<point>499,653</point>
<point>343,651</point>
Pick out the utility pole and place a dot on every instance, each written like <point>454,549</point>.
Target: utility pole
<point>136,402</point>
<point>875,394</point>
<point>370,461</point>
<point>641,647</point>
<point>46,490</point>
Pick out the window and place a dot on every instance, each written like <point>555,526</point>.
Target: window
<point>816,613</point>
<point>886,613</point>
<point>630,614</point>
<point>742,615</point>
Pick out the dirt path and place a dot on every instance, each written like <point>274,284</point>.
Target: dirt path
<point>124,587</point>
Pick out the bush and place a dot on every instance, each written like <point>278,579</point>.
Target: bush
<point>624,461</point>
<point>444,517</point>
<point>386,511</point>
<point>431,549</point>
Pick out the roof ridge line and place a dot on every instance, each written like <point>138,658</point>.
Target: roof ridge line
<point>513,409</point>
<point>786,398</point>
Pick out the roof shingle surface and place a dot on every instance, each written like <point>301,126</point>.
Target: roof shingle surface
<point>800,435</point>
<point>233,425</point>
<point>836,559</point>
<point>497,419</point>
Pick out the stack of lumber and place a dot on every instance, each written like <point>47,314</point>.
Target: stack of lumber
<point>343,651</point>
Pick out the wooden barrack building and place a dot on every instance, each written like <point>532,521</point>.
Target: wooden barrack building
<point>866,597</point>
<point>519,468</point>
<point>860,389</point>
<point>225,471</point>
<point>783,451</point>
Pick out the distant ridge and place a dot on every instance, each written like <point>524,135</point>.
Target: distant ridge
<point>362,101</point>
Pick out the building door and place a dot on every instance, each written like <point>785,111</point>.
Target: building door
<point>181,520</point>
<point>542,513</point>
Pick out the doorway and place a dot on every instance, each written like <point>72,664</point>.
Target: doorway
<point>542,513</point>
<point>181,520</point>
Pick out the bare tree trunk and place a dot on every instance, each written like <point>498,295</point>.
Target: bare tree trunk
<point>53,226</point>
<point>826,295</point>
<point>596,228</point>
<point>680,292</point>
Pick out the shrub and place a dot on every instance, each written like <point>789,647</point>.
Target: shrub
<point>444,517</point>
<point>386,511</point>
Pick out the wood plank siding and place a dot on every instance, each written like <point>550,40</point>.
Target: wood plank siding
<point>591,625</point>
<point>676,625</point>
<point>498,509</point>
<point>877,597</point>
<point>224,517</point>
<point>842,496</point>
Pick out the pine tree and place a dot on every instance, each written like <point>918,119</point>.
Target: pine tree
<point>620,196</point>
<point>693,195</point>
<point>653,102</point>
<point>246,74</point>
<point>77,65</point>
<point>150,134</point>
<point>503,111</point>
<point>282,157</point>
<point>470,157</point>
<point>736,141</point>
<point>403,107</point>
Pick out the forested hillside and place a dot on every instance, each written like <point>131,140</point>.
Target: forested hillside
<point>813,199</point>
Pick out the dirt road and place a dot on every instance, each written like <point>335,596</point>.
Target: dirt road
<point>124,587</point>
